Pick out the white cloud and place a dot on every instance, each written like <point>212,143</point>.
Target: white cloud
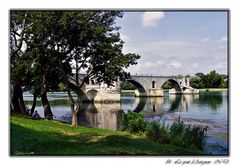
<point>153,63</point>
<point>205,40</point>
<point>220,65</point>
<point>174,64</point>
<point>171,57</point>
<point>194,65</point>
<point>159,62</point>
<point>166,45</point>
<point>149,64</point>
<point>151,19</point>
<point>223,39</point>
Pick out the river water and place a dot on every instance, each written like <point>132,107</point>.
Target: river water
<point>205,109</point>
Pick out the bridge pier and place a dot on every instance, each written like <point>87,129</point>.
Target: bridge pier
<point>174,91</point>
<point>156,92</point>
<point>153,92</point>
<point>140,94</point>
<point>159,92</point>
<point>184,91</point>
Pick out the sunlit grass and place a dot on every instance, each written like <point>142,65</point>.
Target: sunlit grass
<point>42,137</point>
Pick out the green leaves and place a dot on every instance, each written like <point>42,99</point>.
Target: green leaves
<point>210,80</point>
<point>133,122</point>
<point>69,42</point>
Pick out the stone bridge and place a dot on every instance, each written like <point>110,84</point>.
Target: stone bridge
<point>146,86</point>
<point>152,85</point>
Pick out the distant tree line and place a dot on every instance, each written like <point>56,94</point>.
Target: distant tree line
<point>210,80</point>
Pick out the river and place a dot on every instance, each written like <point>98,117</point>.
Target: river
<point>205,109</point>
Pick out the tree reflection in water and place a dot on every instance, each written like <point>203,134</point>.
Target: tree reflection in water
<point>108,115</point>
<point>101,115</point>
<point>213,99</point>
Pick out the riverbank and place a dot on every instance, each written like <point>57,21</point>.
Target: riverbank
<point>42,137</point>
<point>213,89</point>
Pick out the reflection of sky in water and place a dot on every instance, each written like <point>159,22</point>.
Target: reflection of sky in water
<point>206,109</point>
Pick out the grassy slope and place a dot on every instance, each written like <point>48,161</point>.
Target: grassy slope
<point>41,137</point>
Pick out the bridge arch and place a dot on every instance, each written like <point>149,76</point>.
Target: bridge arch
<point>141,89</point>
<point>176,85</point>
<point>91,94</point>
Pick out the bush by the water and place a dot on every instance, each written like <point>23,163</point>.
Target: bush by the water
<point>180,134</point>
<point>192,137</point>
<point>158,132</point>
<point>133,122</point>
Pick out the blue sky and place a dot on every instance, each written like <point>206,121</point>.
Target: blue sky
<point>172,43</point>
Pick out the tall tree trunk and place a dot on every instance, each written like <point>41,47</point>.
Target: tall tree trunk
<point>17,100</point>
<point>76,87</point>
<point>33,103</point>
<point>75,113</point>
<point>77,72</point>
<point>74,120</point>
<point>45,103</point>
<point>46,106</point>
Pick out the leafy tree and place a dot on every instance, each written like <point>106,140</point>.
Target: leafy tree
<point>196,82</point>
<point>210,80</point>
<point>167,85</point>
<point>127,86</point>
<point>61,44</point>
<point>37,69</point>
<point>226,82</point>
<point>18,26</point>
<point>97,49</point>
<point>201,75</point>
<point>215,80</point>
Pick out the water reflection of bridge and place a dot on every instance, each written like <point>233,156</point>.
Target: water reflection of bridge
<point>108,115</point>
<point>156,105</point>
<point>101,115</point>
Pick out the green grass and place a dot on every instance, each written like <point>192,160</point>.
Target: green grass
<point>213,89</point>
<point>42,137</point>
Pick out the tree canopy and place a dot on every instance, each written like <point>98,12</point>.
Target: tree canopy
<point>210,80</point>
<point>49,47</point>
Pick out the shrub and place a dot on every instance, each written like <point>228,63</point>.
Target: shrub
<point>157,132</point>
<point>195,137</point>
<point>187,136</point>
<point>179,134</point>
<point>133,122</point>
<point>176,132</point>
